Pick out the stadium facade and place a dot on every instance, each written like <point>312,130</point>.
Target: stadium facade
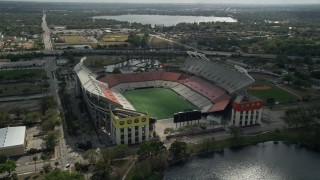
<point>246,112</point>
<point>129,127</point>
<point>208,85</point>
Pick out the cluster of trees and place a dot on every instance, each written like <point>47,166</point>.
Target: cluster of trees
<point>51,139</point>
<point>51,119</point>
<point>150,149</point>
<point>297,77</point>
<point>315,74</point>
<point>58,174</point>
<point>302,117</point>
<point>292,46</point>
<point>100,161</point>
<point>20,24</point>
<point>5,119</point>
<point>297,81</point>
<point>138,40</point>
<point>7,166</point>
<point>17,57</point>
<point>306,119</point>
<point>179,150</point>
<point>71,119</point>
<point>31,118</point>
<point>48,102</point>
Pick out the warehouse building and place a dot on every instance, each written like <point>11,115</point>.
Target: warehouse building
<point>13,140</point>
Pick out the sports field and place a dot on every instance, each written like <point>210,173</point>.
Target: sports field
<point>160,103</point>
<point>268,90</point>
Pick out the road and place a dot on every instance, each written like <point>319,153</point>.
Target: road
<point>225,135</point>
<point>46,33</point>
<point>22,98</point>
<point>51,67</point>
<point>273,121</point>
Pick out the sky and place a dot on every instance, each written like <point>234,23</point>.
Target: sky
<point>191,1</point>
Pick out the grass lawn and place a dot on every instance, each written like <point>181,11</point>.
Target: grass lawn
<point>157,42</point>
<point>75,39</point>
<point>115,38</point>
<point>274,92</point>
<point>11,89</point>
<point>21,74</point>
<point>160,103</point>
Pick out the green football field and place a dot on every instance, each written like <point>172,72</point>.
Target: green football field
<point>274,92</point>
<point>160,103</point>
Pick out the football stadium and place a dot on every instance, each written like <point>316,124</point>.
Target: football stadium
<point>126,104</point>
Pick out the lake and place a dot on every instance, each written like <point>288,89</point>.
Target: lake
<point>165,20</point>
<point>268,161</point>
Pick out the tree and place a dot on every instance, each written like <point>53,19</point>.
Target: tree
<point>48,102</point>
<point>289,78</point>
<point>144,150</point>
<point>58,174</point>
<point>157,147</point>
<point>179,149</point>
<point>51,113</point>
<point>91,155</point>
<point>56,164</point>
<point>168,130</point>
<point>3,158</point>
<point>51,120</point>
<point>35,158</point>
<point>8,166</point>
<point>48,125</point>
<point>148,149</point>
<point>81,167</point>
<point>43,157</point>
<point>303,120</point>
<point>102,170</point>
<point>31,118</point>
<point>235,131</point>
<point>51,139</point>
<point>120,151</point>
<point>46,168</point>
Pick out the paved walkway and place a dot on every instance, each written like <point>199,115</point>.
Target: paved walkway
<point>22,98</point>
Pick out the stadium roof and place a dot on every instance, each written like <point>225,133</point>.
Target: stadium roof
<point>12,136</point>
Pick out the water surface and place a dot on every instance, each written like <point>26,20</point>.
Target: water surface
<point>165,20</point>
<point>266,161</point>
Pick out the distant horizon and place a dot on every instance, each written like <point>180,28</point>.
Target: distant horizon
<point>239,2</point>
